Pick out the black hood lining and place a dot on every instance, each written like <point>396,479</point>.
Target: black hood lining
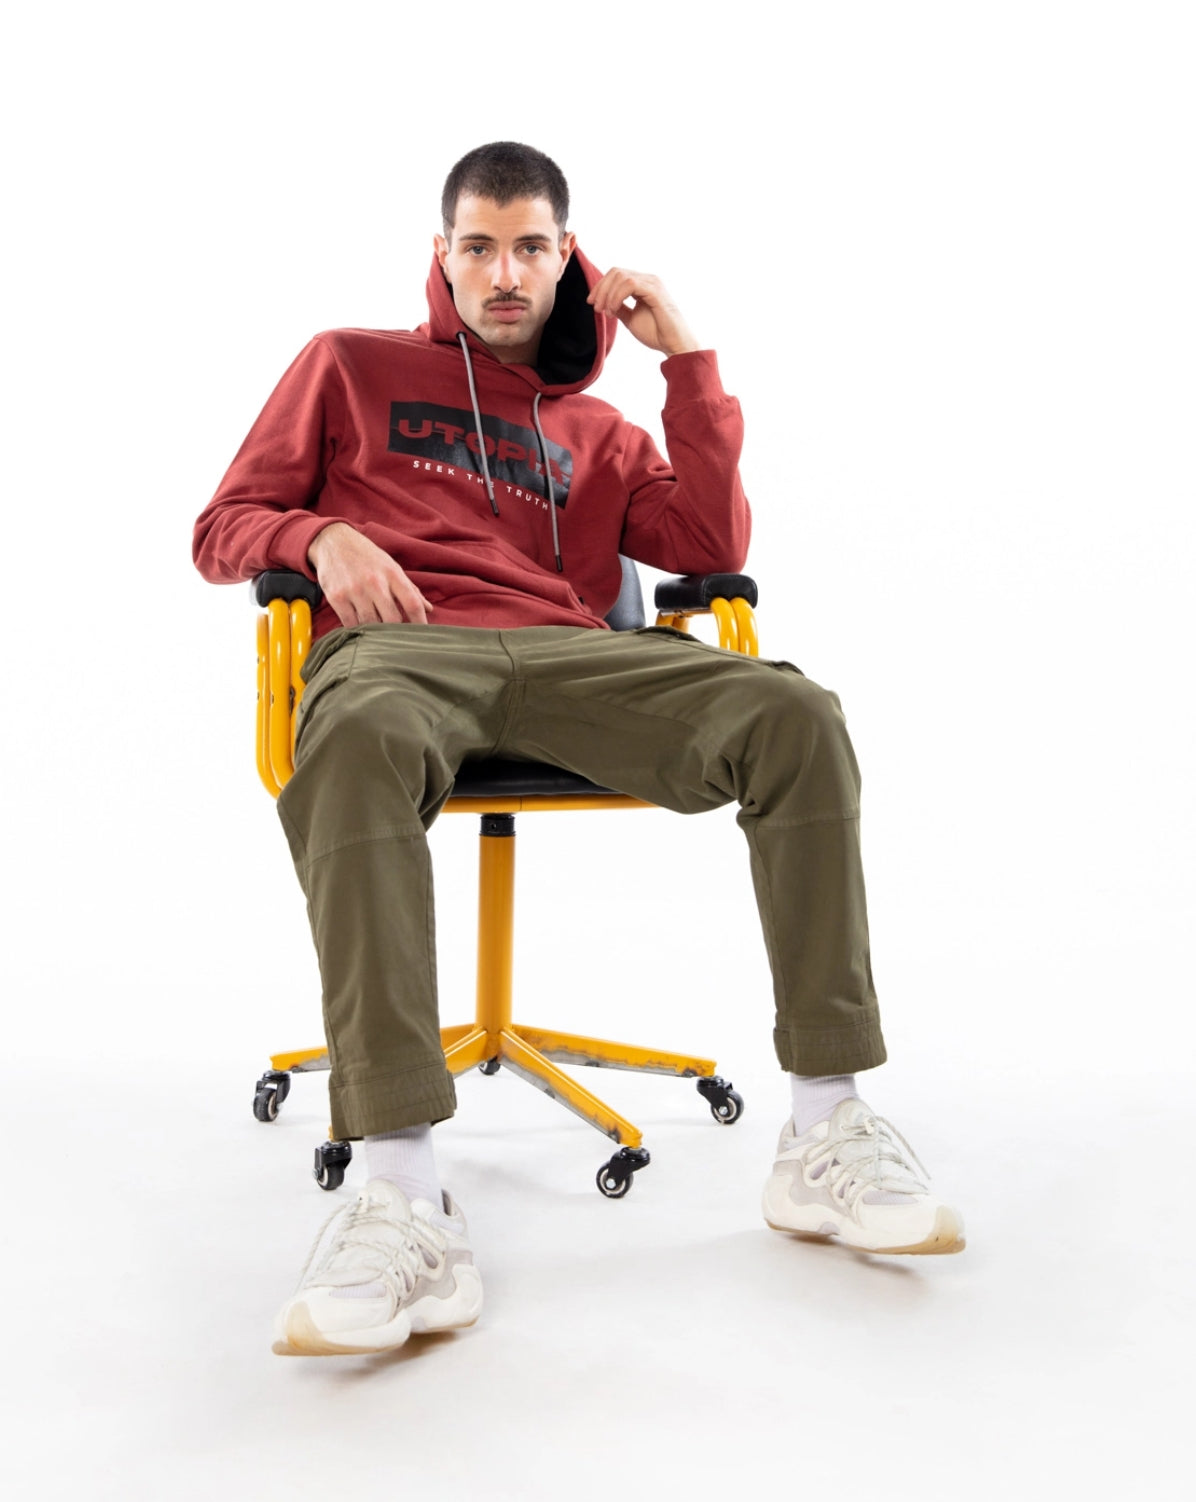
<point>569,343</point>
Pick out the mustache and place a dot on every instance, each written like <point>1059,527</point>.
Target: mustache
<point>506,301</point>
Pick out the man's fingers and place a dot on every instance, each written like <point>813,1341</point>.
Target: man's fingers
<point>392,606</point>
<point>619,285</point>
<point>414,607</point>
<point>613,290</point>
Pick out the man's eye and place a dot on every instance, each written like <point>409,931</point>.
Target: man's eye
<point>533,250</point>
<point>475,250</point>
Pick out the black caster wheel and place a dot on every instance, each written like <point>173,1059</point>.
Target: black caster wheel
<point>726,1105</point>
<point>332,1158</point>
<point>490,1066</point>
<point>614,1177</point>
<point>269,1093</point>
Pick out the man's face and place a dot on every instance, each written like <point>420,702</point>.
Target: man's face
<point>503,263</point>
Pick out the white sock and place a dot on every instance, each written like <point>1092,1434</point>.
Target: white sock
<point>405,1158</point>
<point>816,1096</point>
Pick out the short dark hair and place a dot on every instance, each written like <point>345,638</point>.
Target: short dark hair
<point>504,171</point>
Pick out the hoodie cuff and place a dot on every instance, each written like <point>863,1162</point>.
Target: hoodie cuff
<point>288,547</point>
<point>692,376</point>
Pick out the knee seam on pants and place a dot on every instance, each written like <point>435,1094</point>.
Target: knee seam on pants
<point>370,837</point>
<point>847,816</point>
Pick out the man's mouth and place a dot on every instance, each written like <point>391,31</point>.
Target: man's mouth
<point>506,310</point>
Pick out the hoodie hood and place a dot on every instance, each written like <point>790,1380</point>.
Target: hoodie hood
<point>573,346</point>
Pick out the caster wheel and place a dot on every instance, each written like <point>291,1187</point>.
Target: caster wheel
<point>614,1177</point>
<point>331,1160</point>
<point>269,1093</point>
<point>611,1184</point>
<point>489,1066</point>
<point>729,1110</point>
<point>266,1103</point>
<point>726,1104</point>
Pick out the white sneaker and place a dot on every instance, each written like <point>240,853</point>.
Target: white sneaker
<point>857,1178</point>
<point>381,1270</point>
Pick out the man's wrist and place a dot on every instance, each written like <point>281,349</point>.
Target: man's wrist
<point>321,540</point>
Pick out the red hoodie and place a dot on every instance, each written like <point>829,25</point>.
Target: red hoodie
<point>377,428</point>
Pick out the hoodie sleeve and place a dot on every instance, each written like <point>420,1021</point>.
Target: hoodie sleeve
<point>261,517</point>
<point>690,515</point>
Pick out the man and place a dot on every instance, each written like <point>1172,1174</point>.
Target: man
<point>462,504</point>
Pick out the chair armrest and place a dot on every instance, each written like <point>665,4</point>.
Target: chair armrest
<point>284,584</point>
<point>283,641</point>
<point>697,591</point>
<point>689,592</point>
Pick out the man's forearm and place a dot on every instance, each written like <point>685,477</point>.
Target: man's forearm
<point>695,519</point>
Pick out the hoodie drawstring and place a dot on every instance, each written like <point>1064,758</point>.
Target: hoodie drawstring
<point>556,541</point>
<point>477,417</point>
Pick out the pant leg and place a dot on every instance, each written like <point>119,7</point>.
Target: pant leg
<point>388,715</point>
<point>667,718</point>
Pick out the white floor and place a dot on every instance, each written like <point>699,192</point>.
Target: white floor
<point>667,1343</point>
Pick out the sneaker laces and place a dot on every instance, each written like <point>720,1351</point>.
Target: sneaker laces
<point>419,1250</point>
<point>867,1154</point>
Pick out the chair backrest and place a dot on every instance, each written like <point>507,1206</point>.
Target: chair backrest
<point>627,613</point>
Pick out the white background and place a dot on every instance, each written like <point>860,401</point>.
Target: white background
<point>945,253</point>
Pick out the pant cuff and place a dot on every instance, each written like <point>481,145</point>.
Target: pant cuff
<point>837,1050</point>
<point>404,1099</point>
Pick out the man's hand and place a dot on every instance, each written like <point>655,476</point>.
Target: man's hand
<point>360,581</point>
<point>654,320</point>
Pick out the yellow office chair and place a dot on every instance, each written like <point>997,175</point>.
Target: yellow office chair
<point>497,790</point>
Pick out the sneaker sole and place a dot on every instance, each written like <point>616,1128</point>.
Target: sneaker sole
<point>301,1336</point>
<point>946,1236</point>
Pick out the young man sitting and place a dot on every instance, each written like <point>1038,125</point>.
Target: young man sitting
<point>463,503</point>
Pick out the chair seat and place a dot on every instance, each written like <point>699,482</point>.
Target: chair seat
<point>501,777</point>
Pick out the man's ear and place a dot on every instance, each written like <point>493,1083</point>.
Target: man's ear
<point>568,244</point>
<point>441,247</point>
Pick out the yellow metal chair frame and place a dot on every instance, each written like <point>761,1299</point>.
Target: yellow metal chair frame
<point>493,1038</point>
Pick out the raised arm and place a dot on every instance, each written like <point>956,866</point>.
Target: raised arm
<point>689,514</point>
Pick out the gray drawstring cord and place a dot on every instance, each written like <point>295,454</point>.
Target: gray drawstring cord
<point>556,541</point>
<point>477,417</point>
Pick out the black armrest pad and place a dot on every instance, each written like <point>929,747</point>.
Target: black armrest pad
<point>695,591</point>
<point>692,592</point>
<point>283,584</point>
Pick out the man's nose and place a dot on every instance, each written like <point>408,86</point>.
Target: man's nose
<point>505,272</point>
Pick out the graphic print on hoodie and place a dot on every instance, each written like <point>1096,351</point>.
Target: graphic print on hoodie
<point>450,436</point>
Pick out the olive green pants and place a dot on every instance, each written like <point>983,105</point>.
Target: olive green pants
<point>391,712</point>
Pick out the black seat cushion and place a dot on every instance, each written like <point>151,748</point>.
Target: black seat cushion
<point>501,777</point>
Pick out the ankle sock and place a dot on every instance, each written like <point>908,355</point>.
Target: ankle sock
<point>405,1158</point>
<point>816,1096</point>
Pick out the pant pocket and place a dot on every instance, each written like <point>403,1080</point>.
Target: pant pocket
<point>331,668</point>
<point>327,647</point>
